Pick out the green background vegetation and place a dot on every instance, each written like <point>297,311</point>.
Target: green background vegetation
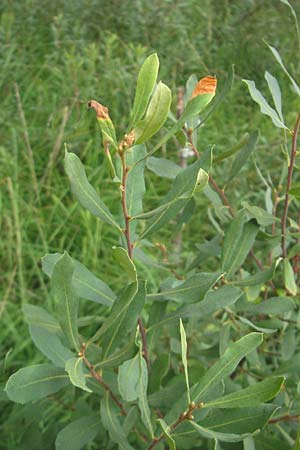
<point>60,54</point>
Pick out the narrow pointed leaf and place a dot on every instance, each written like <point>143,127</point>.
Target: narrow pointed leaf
<point>122,321</point>
<point>226,364</point>
<point>276,93</point>
<point>144,88</point>
<point>50,345</point>
<point>166,432</point>
<point>86,284</point>
<point>213,301</point>
<point>184,359</point>
<point>163,167</point>
<point>274,305</point>
<point>67,300</point>
<point>128,377</point>
<point>39,317</point>
<point>249,443</point>
<point>263,104</point>
<point>243,155</point>
<point>279,60</point>
<point>142,385</point>
<point>75,369</point>
<point>181,191</point>
<point>127,265</point>
<point>289,278</point>
<point>239,239</point>
<point>135,186</point>
<point>260,277</point>
<point>156,115</point>
<point>35,382</point>
<point>84,191</point>
<point>110,421</point>
<point>261,216</point>
<point>236,424</point>
<point>78,433</point>
<point>191,290</point>
<point>251,396</point>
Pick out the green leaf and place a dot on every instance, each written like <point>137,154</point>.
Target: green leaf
<point>142,394</point>
<point>110,421</point>
<point>264,105</point>
<point>39,317</point>
<point>166,432</point>
<point>108,135</point>
<point>213,301</point>
<point>276,93</point>
<point>123,317</point>
<point>249,443</point>
<point>182,190</point>
<point>274,305</point>
<point>189,291</point>
<point>297,442</point>
<point>128,376</point>
<point>184,359</point>
<point>144,88</point>
<point>35,382</point>
<point>160,368</point>
<point>226,364</point>
<point>289,278</point>
<point>260,277</point>
<point>84,191</point>
<point>67,300</point>
<point>50,345</point>
<point>86,284</point>
<point>243,155</point>
<point>279,60</point>
<point>251,396</point>
<point>157,113</point>
<point>163,167</point>
<point>232,150</point>
<point>75,369</point>
<point>239,239</point>
<point>78,433</point>
<point>288,344</point>
<point>122,257</point>
<point>135,185</point>
<point>260,215</point>
<point>295,191</point>
<point>224,424</point>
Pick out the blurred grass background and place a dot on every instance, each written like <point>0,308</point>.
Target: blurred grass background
<point>55,56</point>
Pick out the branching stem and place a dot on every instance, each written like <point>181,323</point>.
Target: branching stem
<point>100,380</point>
<point>187,415</point>
<point>127,219</point>
<point>289,185</point>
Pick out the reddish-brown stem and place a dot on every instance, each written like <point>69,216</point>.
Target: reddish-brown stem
<point>127,219</point>
<point>100,380</point>
<point>288,186</point>
<point>187,415</point>
<point>124,203</point>
<point>286,418</point>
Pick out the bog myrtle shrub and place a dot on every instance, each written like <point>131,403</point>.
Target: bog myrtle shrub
<point>197,364</point>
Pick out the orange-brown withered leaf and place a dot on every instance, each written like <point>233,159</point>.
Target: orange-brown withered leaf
<point>206,85</point>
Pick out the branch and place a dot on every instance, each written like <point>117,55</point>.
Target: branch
<point>100,380</point>
<point>288,186</point>
<point>122,149</point>
<point>187,415</point>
